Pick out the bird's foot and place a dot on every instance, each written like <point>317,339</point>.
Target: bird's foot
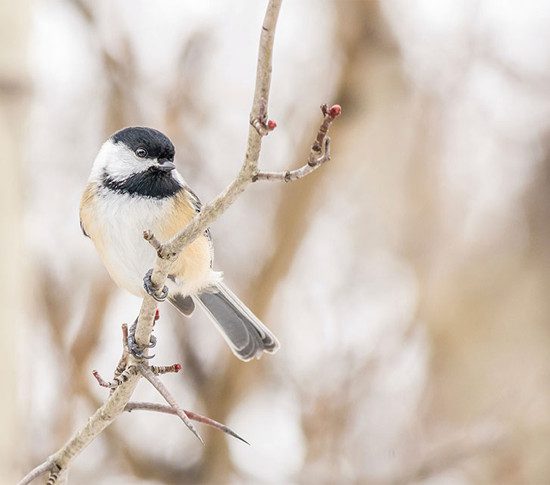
<point>133,346</point>
<point>159,296</point>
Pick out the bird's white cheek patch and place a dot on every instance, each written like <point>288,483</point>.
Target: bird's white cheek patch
<point>118,161</point>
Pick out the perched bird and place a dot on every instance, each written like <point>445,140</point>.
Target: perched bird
<point>134,186</point>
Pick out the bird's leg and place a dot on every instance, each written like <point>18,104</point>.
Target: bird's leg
<point>133,346</point>
<point>161,295</point>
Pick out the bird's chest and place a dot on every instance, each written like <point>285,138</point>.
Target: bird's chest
<point>116,224</point>
<point>118,237</point>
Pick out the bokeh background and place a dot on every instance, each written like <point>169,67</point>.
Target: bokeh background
<point>407,280</point>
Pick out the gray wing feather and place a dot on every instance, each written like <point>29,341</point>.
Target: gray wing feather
<point>245,334</point>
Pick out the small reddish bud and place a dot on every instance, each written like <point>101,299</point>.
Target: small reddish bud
<point>177,367</point>
<point>335,110</point>
<point>271,125</point>
<point>157,314</point>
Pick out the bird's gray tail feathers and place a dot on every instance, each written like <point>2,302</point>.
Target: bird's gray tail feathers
<point>246,335</point>
<point>184,304</point>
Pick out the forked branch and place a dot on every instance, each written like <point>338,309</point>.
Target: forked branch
<point>163,408</point>
<point>130,369</point>
<point>318,155</point>
<point>165,393</point>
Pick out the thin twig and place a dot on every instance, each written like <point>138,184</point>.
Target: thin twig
<point>36,472</point>
<point>102,382</point>
<point>318,155</point>
<point>153,241</point>
<point>163,408</point>
<point>122,363</point>
<point>165,393</point>
<point>119,379</point>
<point>165,369</point>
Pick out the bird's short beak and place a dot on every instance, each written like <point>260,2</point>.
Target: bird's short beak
<point>165,166</point>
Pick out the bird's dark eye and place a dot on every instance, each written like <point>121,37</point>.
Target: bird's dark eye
<point>141,152</point>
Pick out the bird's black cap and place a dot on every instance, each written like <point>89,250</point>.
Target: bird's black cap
<point>157,144</point>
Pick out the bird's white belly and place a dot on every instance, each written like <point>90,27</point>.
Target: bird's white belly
<point>125,253</point>
<point>121,221</point>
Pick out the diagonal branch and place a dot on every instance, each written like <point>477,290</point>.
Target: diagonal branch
<point>166,394</point>
<point>211,211</point>
<point>120,396</point>
<point>162,408</point>
<point>45,467</point>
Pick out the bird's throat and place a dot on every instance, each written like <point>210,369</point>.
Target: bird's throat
<point>149,183</point>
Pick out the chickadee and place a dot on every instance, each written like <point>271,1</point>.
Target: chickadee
<point>134,186</point>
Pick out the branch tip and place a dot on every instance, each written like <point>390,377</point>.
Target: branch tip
<point>335,111</point>
<point>102,382</point>
<point>165,369</point>
<point>318,155</point>
<point>162,408</point>
<point>152,240</point>
<point>118,379</point>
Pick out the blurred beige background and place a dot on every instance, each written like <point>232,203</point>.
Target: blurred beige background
<point>408,279</point>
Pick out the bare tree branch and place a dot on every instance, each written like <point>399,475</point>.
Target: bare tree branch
<point>127,380</point>
<point>167,395</point>
<point>36,472</point>
<point>319,153</point>
<point>162,408</point>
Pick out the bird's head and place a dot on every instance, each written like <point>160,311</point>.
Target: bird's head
<point>138,161</point>
<point>133,151</point>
